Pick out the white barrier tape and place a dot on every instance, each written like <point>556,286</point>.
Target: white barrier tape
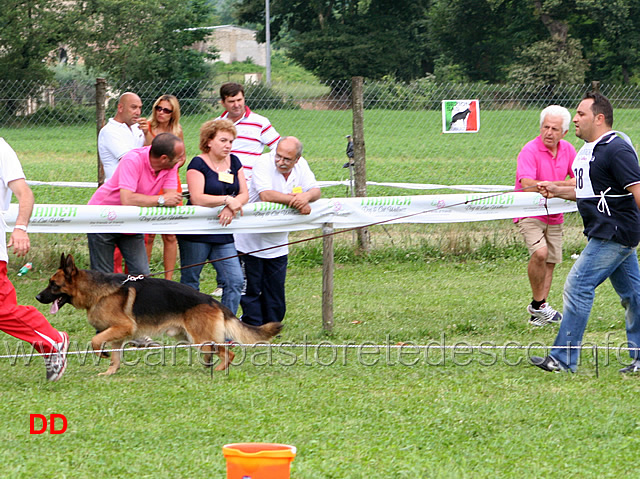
<point>264,217</point>
<point>457,346</point>
<point>322,184</point>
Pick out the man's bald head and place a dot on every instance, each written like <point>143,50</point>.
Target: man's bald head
<point>129,108</point>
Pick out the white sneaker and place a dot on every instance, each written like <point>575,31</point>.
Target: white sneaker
<point>56,362</point>
<point>217,292</point>
<point>545,315</point>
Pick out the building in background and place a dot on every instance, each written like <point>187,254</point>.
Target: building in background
<point>234,44</point>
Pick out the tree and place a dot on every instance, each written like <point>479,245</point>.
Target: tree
<point>338,39</point>
<point>29,31</point>
<point>476,37</point>
<point>610,35</point>
<point>549,62</point>
<point>143,40</point>
<point>557,59</point>
<point>457,40</point>
<point>26,38</point>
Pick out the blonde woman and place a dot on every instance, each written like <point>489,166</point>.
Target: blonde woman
<point>165,118</point>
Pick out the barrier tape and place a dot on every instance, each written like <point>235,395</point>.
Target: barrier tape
<point>321,184</point>
<point>458,346</point>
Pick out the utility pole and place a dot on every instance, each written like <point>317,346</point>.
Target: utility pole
<point>267,34</point>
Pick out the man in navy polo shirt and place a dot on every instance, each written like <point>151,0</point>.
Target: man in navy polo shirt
<point>608,195</point>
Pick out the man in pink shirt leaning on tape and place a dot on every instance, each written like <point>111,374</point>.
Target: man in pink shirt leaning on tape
<point>140,174</point>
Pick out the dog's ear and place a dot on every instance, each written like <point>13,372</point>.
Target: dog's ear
<point>62,261</point>
<point>69,267</point>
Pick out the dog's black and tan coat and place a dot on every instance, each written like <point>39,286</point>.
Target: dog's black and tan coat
<point>122,311</point>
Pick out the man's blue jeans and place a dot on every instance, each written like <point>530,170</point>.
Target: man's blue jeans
<point>194,252</point>
<point>102,246</point>
<point>598,261</point>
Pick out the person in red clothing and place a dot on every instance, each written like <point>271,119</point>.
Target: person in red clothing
<point>24,322</point>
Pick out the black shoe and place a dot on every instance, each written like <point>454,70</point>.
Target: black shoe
<point>547,363</point>
<point>348,164</point>
<point>634,367</point>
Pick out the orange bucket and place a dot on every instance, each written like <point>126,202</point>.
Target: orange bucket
<point>258,460</point>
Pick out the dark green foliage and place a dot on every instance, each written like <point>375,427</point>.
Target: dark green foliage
<point>144,40</point>
<point>65,112</point>
<point>261,97</point>
<point>338,40</point>
<point>29,31</point>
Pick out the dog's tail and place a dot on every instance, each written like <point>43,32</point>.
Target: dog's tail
<point>248,334</point>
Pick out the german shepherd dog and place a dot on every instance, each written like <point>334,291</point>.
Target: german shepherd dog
<point>123,310</point>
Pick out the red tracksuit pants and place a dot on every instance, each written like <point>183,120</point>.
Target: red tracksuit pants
<point>24,322</point>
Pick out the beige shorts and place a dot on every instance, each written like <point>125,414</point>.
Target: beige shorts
<point>538,234</point>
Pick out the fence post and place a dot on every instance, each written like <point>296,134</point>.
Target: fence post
<point>101,101</point>
<point>359,155</point>
<point>327,277</point>
<point>595,86</point>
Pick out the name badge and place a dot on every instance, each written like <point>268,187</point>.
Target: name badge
<point>297,189</point>
<point>225,177</point>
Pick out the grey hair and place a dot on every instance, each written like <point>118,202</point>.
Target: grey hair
<point>557,110</point>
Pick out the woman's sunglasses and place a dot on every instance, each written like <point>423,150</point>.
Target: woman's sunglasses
<point>163,110</point>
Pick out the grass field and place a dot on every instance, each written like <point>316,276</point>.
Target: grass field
<point>352,413</point>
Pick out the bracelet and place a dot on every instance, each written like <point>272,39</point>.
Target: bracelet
<point>224,202</point>
<point>20,227</point>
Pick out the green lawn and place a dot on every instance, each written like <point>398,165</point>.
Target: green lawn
<point>358,413</point>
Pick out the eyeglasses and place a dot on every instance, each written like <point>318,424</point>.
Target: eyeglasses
<point>288,161</point>
<point>163,110</point>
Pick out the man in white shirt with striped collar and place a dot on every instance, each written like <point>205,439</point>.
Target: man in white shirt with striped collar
<point>254,131</point>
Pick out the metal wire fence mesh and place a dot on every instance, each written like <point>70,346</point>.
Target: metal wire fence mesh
<point>401,120</point>
<point>403,123</point>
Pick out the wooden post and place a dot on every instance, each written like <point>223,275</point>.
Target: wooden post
<point>595,86</point>
<point>359,156</point>
<point>327,277</point>
<point>101,101</point>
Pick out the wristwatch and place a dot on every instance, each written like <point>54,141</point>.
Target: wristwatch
<point>160,200</point>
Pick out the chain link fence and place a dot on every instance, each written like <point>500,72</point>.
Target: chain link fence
<point>403,133</point>
<point>402,121</point>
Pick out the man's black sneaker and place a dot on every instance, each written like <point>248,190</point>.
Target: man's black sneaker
<point>547,363</point>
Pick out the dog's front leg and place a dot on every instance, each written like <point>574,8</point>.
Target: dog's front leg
<point>115,360</point>
<point>115,336</point>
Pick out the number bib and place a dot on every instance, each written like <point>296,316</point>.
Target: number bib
<point>582,168</point>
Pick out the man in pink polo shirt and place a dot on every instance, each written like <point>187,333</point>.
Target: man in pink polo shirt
<point>140,174</point>
<point>545,158</point>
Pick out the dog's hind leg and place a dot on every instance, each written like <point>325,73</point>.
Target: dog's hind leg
<point>204,325</point>
<point>208,351</point>
<point>226,357</point>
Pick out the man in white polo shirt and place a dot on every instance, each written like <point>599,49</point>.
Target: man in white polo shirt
<point>121,133</point>
<point>281,176</point>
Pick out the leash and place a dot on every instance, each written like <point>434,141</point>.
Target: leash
<point>346,230</point>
